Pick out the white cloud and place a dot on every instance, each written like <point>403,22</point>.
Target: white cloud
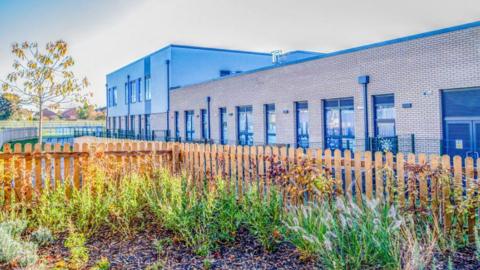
<point>109,35</point>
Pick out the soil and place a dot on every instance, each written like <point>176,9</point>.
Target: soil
<point>139,252</point>
<point>464,258</point>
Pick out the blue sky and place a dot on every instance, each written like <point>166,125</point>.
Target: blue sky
<point>107,34</point>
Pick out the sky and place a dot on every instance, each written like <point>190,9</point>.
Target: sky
<point>106,34</point>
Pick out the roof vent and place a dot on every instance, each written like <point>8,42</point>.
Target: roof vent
<point>277,56</point>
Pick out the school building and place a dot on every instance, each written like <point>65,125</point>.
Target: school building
<point>418,93</point>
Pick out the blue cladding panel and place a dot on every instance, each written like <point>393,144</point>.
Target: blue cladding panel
<point>459,103</point>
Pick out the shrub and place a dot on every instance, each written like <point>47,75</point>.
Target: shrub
<point>263,217</point>
<point>102,264</point>
<point>202,220</point>
<point>75,243</point>
<point>14,251</point>
<point>345,236</point>
<point>42,236</point>
<point>127,207</point>
<point>52,209</point>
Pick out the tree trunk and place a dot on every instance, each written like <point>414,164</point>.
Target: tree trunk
<point>40,125</point>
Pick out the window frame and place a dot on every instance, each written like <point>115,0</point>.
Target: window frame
<point>222,112</point>
<point>300,105</point>
<point>248,109</point>
<point>204,123</point>
<point>189,130</point>
<point>340,108</point>
<point>270,109</point>
<point>375,102</point>
<point>133,91</point>
<point>148,91</point>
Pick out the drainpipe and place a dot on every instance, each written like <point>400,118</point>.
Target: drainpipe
<point>127,128</point>
<point>364,80</point>
<point>208,116</point>
<point>167,62</point>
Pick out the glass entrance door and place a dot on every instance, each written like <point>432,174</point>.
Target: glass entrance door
<point>462,138</point>
<point>476,130</point>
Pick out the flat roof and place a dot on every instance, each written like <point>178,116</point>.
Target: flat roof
<point>351,50</point>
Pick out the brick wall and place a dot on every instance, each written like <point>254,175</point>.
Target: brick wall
<point>414,71</point>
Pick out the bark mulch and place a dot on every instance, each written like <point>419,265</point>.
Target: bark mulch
<point>139,252</point>
<point>464,258</point>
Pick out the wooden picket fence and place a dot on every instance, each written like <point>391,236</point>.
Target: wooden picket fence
<point>26,171</point>
<point>445,187</point>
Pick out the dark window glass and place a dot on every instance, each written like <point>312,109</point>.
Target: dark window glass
<point>384,116</point>
<point>148,92</point>
<point>133,91</point>
<point>139,89</point>
<point>189,127</point>
<point>339,124</point>
<point>245,125</point>
<point>301,109</point>
<point>132,123</point>
<point>223,126</point>
<point>140,131</point>
<point>204,118</point>
<point>177,130</point>
<point>147,124</point>
<point>271,124</point>
<point>225,73</point>
<point>119,122</point>
<point>126,123</point>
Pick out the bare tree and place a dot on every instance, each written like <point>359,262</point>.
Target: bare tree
<point>43,79</point>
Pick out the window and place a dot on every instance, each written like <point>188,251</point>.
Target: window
<point>302,135</point>
<point>140,125</point>
<point>223,126</point>
<point>225,73</point>
<point>119,122</point>
<point>204,118</point>
<point>127,94</point>
<point>114,123</point>
<point>189,127</point>
<point>245,125</point>
<point>126,122</point>
<point>271,124</point>
<point>384,116</point>
<point>139,90</point>
<point>108,122</point>
<point>339,124</point>
<point>132,123</point>
<point>147,125</point>
<point>148,93</point>
<point>133,91</point>
<point>114,96</point>
<point>108,96</point>
<point>177,128</point>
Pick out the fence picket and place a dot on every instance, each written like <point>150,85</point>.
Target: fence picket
<point>422,161</point>
<point>470,191</point>
<point>18,173</point>
<point>28,173</point>
<point>358,176</point>
<point>347,157</point>
<point>447,216</point>
<point>379,175</point>
<point>338,171</point>
<point>368,175</point>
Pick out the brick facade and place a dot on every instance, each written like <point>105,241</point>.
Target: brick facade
<point>415,71</point>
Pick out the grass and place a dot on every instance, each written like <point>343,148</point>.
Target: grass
<point>337,233</point>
